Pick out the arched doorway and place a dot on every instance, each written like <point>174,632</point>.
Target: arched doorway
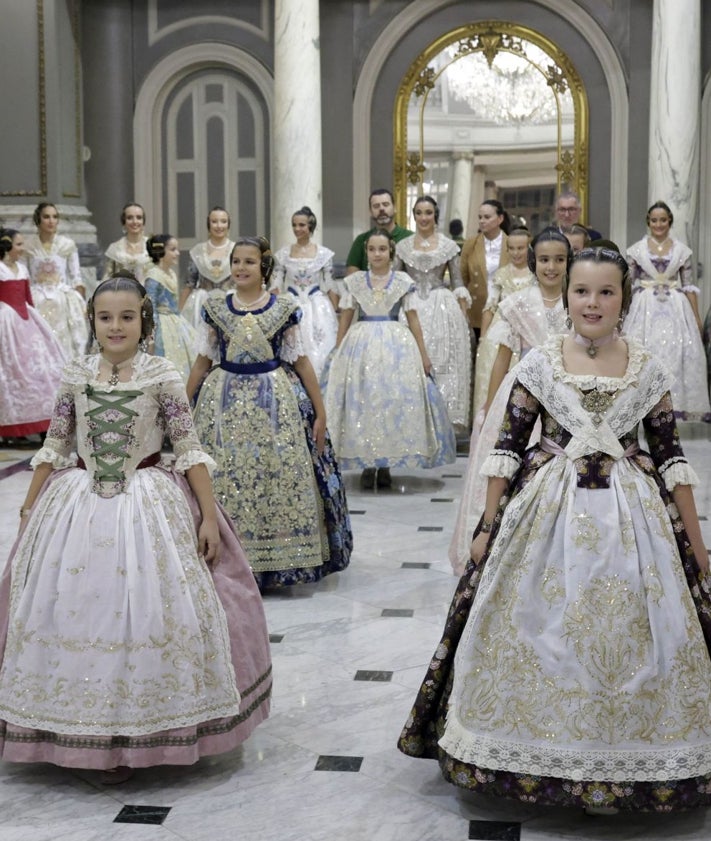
<point>201,137</point>
<point>506,96</point>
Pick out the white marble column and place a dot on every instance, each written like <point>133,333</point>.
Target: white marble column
<point>296,130</point>
<point>675,103</point>
<point>476,198</point>
<point>461,186</point>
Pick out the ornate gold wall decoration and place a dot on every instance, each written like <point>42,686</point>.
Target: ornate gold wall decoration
<point>490,38</point>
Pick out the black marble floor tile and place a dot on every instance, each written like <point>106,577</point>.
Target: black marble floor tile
<point>494,831</point>
<point>703,517</point>
<point>142,814</point>
<point>452,475</point>
<point>421,564</point>
<point>338,763</point>
<point>430,528</point>
<point>441,499</point>
<point>397,611</point>
<point>351,511</point>
<point>364,674</point>
<point>274,638</point>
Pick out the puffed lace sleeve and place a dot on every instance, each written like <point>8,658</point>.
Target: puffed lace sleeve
<point>277,280</point>
<point>506,457</point>
<point>74,275</point>
<point>347,301</point>
<point>292,344</point>
<point>207,342</point>
<point>59,441</point>
<point>686,274</point>
<point>455,277</point>
<point>408,299</point>
<point>178,419</point>
<point>328,284</point>
<point>665,448</point>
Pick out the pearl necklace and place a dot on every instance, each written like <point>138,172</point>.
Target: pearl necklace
<point>217,247</point>
<point>115,368</point>
<point>552,300</point>
<point>424,243</point>
<point>262,299</point>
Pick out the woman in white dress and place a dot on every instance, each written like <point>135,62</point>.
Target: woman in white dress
<point>574,668</point>
<point>32,358</point>
<point>57,285</point>
<point>441,305</point>
<point>664,314</point>
<point>129,253</point>
<point>209,267</point>
<point>305,271</point>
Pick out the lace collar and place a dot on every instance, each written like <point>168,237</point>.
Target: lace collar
<point>636,358</point>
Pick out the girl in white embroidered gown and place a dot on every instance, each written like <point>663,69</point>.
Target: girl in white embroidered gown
<point>441,306</point>
<point>526,319</point>
<point>129,253</point>
<point>57,285</point>
<point>120,647</point>
<point>574,668</point>
<point>512,277</point>
<point>174,337</point>
<point>209,267</point>
<point>305,271</point>
<point>383,409</point>
<point>664,314</point>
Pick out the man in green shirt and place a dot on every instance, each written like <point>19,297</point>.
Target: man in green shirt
<point>382,211</point>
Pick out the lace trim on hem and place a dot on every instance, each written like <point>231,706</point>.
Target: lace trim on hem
<point>677,471</point>
<point>577,764</point>
<point>501,463</point>
<point>46,455</point>
<point>187,460</point>
<point>168,721</point>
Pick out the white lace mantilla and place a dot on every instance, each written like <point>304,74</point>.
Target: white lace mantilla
<point>637,392</point>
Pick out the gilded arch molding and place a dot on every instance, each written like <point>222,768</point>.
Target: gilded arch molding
<point>491,38</point>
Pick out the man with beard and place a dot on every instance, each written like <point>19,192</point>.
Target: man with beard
<point>382,211</point>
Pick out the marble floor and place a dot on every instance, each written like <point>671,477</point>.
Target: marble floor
<point>348,656</point>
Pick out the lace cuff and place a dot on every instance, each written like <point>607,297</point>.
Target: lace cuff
<point>189,459</point>
<point>292,345</point>
<point>206,343</point>
<point>677,471</point>
<point>347,301</point>
<point>463,292</point>
<point>689,287</point>
<point>46,455</point>
<point>501,463</point>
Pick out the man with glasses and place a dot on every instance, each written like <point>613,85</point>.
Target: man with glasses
<point>567,211</point>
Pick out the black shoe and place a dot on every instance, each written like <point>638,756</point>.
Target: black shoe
<point>367,478</point>
<point>385,480</point>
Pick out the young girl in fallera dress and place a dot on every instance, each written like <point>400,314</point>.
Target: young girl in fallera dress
<point>305,271</point>
<point>384,409</point>
<point>259,413</point>
<point>57,285</point>
<point>174,336</point>
<point>32,358</point>
<point>209,266</point>
<point>574,667</point>
<point>526,319</point>
<point>125,643</point>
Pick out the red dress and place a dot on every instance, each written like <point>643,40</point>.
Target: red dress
<point>31,358</point>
